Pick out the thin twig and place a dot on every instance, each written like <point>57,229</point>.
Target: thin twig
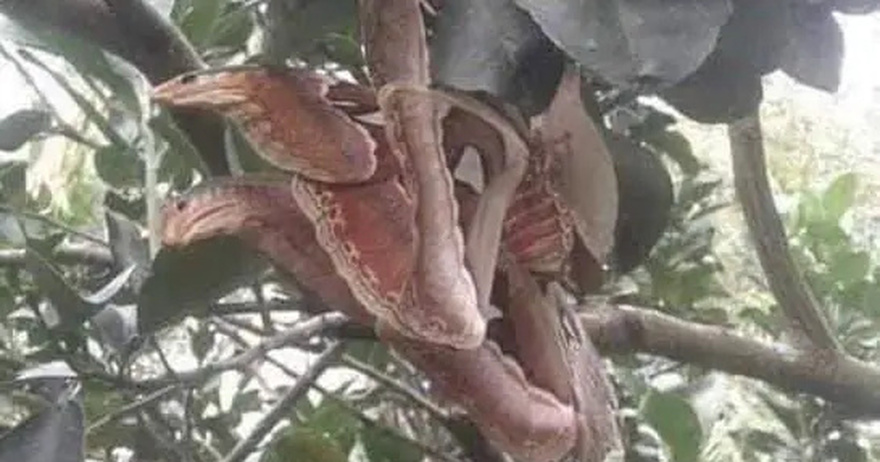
<point>283,406</point>
<point>63,128</point>
<point>131,407</point>
<point>298,333</point>
<point>786,282</point>
<point>54,223</point>
<point>388,382</point>
<point>366,420</point>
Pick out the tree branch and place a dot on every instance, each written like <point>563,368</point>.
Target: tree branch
<point>299,333</point>
<point>839,379</point>
<point>753,189</point>
<point>284,405</point>
<point>136,32</point>
<point>76,254</point>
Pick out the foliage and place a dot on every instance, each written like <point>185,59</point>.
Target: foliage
<point>72,297</point>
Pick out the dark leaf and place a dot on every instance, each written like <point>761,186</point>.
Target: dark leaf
<point>201,340</point>
<point>382,447</point>
<point>714,96</point>
<point>631,40</point>
<point>677,147</point>
<point>495,47</point>
<point>248,401</point>
<point>233,29</point>
<point>21,126</point>
<point>242,153</point>
<point>676,422</point>
<point>728,85</point>
<point>200,20</point>
<point>119,167</point>
<point>181,154</point>
<point>307,445</point>
<point>855,6</point>
<point>72,308</point>
<point>183,280</point>
<point>814,54</point>
<point>301,29</point>
<point>130,206</point>
<point>13,183</point>
<point>54,435</point>
<point>335,421</point>
<point>111,289</point>
<point>644,201</point>
<point>116,326</point>
<point>128,246</point>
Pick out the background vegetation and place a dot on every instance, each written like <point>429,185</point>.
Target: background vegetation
<point>88,159</point>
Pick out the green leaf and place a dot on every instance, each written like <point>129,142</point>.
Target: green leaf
<point>186,280</point>
<point>334,420</point>
<point>13,183</point>
<point>201,19</point>
<point>233,29</point>
<point>383,447</point>
<point>201,341</point>
<point>676,422</point>
<point>840,196</point>
<point>119,167</point>
<point>21,126</point>
<point>303,445</point>
<point>248,401</point>
<point>849,267</point>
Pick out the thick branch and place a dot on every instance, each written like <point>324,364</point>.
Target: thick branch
<point>136,32</point>
<point>841,379</point>
<point>76,254</point>
<point>753,189</point>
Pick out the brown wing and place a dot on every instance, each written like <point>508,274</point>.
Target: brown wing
<point>287,115</point>
<point>262,212</point>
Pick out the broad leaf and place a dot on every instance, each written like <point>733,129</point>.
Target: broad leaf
<point>303,29</point>
<point>183,280</point>
<point>382,447</point>
<point>840,196</point>
<point>332,419</point>
<point>728,83</point>
<point>814,54</point>
<point>625,41</point>
<point>21,126</point>
<point>854,6</point>
<point>645,199</point>
<point>306,445</point>
<point>13,183</point>
<point>676,422</point>
<point>495,47</point>
<point>116,326</point>
<point>129,247</point>
<point>200,20</point>
<point>119,167</point>
<point>56,434</point>
<point>850,266</point>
